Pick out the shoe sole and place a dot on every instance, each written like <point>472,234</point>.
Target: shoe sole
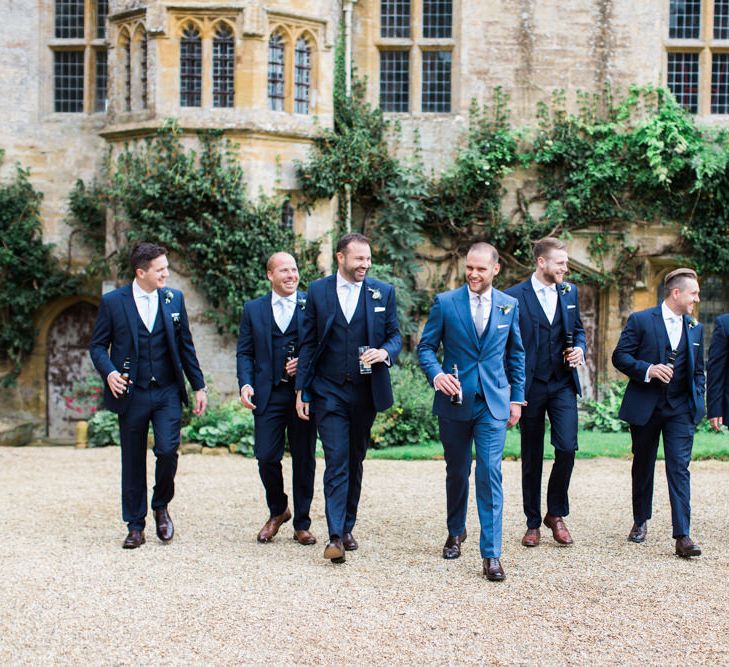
<point>332,553</point>
<point>691,554</point>
<point>134,546</point>
<point>636,541</point>
<point>449,557</point>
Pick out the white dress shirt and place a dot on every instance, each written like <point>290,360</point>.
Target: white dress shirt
<point>283,309</point>
<point>547,297</point>
<point>147,304</point>
<point>348,295</point>
<point>473,299</point>
<point>674,329</point>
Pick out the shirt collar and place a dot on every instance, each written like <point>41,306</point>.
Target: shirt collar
<point>341,281</point>
<point>485,297</point>
<point>138,291</point>
<point>539,285</point>
<point>668,314</point>
<point>275,298</point>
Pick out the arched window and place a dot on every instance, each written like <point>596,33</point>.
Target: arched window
<point>143,70</point>
<point>276,72</point>
<point>287,215</point>
<point>190,68</point>
<point>127,48</point>
<point>223,67</point>
<point>302,76</point>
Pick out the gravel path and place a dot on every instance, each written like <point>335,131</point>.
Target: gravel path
<point>70,595</point>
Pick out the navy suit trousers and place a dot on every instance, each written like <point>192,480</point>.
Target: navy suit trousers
<point>344,415</point>
<point>678,439</point>
<point>161,407</point>
<point>556,399</point>
<point>271,428</point>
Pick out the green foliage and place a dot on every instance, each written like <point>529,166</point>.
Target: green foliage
<point>602,415</point>
<point>30,275</point>
<point>223,425</point>
<point>88,215</point>
<point>103,429</point>
<point>196,206</point>
<point>410,420</point>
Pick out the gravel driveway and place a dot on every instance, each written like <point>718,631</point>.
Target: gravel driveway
<point>70,595</point>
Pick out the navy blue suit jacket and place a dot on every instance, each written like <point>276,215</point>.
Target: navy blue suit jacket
<point>641,344</point>
<point>115,337</point>
<point>254,354</point>
<point>529,312</point>
<point>717,371</point>
<point>383,331</point>
<point>493,365</point>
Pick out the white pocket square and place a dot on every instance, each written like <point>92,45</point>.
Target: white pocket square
<point>501,326</point>
<point>572,306</point>
<point>380,309</point>
<point>695,344</point>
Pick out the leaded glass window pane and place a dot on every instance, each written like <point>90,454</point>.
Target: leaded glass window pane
<point>720,83</point>
<point>102,79</point>
<point>287,215</point>
<point>721,19</point>
<point>683,79</point>
<point>102,11</point>
<point>143,59</point>
<point>685,19</point>
<point>70,19</point>
<point>276,72</point>
<point>190,68</point>
<point>437,18</point>
<point>69,81</point>
<point>436,81</point>
<point>302,76</point>
<point>128,76</point>
<point>223,67</point>
<point>395,18</point>
<point>395,81</point>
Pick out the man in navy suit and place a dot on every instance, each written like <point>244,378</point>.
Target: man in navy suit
<point>717,375</point>
<point>270,330</point>
<point>351,336</point>
<point>143,328</point>
<point>478,327</point>
<point>554,342</point>
<point>661,350</point>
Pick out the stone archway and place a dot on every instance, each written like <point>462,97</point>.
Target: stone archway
<point>67,362</point>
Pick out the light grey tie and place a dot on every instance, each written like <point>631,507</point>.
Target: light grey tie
<point>280,314</point>
<point>675,336</point>
<point>547,305</point>
<point>148,312</point>
<point>351,303</point>
<point>478,317</point>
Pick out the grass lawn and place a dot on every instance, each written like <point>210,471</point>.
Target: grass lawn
<point>592,444</point>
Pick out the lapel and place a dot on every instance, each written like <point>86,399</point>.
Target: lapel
<point>369,305</point>
<point>166,321</point>
<point>689,346</point>
<point>463,308</point>
<point>130,308</point>
<point>299,316</point>
<point>562,305</point>
<point>490,326</point>
<point>332,303</point>
<point>534,309</point>
<point>661,335</point>
<point>268,323</point>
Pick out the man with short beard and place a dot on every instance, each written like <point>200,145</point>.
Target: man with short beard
<point>549,317</point>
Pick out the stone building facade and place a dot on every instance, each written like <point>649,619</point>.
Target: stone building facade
<point>82,77</point>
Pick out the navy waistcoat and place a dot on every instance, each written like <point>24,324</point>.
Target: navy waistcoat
<point>154,360</point>
<point>550,363</point>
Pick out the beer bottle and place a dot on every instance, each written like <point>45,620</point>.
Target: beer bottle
<point>126,365</point>
<point>569,345</point>
<point>290,356</point>
<point>457,399</point>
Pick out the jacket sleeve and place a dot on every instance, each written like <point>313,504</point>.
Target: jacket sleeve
<point>624,358</point>
<point>579,331</point>
<point>244,354</point>
<point>430,341</point>
<point>308,343</point>
<point>716,370</point>
<point>101,340</point>
<point>515,359</point>
<point>393,340</point>
<point>188,356</point>
<point>699,374</point>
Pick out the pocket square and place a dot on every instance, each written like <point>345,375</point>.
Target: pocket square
<point>380,309</point>
<point>571,306</point>
<point>695,344</point>
<point>501,326</point>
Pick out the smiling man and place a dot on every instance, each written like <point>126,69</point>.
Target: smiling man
<point>661,350</point>
<point>142,329</point>
<point>351,337</point>
<point>478,327</point>
<point>554,342</point>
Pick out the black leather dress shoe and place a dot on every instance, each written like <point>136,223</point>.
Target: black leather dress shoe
<point>492,569</point>
<point>350,544</point>
<point>452,547</point>
<point>686,547</point>
<point>134,539</point>
<point>638,532</point>
<point>165,528</point>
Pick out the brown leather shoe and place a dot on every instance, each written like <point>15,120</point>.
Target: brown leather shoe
<point>270,528</point>
<point>304,537</point>
<point>165,527</point>
<point>559,529</point>
<point>638,532</point>
<point>334,550</point>
<point>531,537</point>
<point>134,540</point>
<point>350,544</point>
<point>452,547</point>
<point>492,569</point>
<point>686,547</point>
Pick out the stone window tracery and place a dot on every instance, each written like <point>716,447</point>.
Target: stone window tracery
<point>223,67</point>
<point>276,68</point>
<point>190,68</point>
<point>302,76</point>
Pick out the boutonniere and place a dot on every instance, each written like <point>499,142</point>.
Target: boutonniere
<point>692,322</point>
<point>505,308</point>
<point>565,288</point>
<point>168,297</point>
<point>376,294</point>
<point>301,302</point>
<point>175,320</point>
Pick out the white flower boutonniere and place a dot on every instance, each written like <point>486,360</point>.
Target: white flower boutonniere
<point>692,322</point>
<point>168,296</point>
<point>505,308</point>
<point>565,288</point>
<point>301,303</point>
<point>376,294</point>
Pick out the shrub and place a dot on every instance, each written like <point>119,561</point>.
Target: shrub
<point>410,420</point>
<point>103,429</point>
<point>603,415</point>
<point>224,425</point>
